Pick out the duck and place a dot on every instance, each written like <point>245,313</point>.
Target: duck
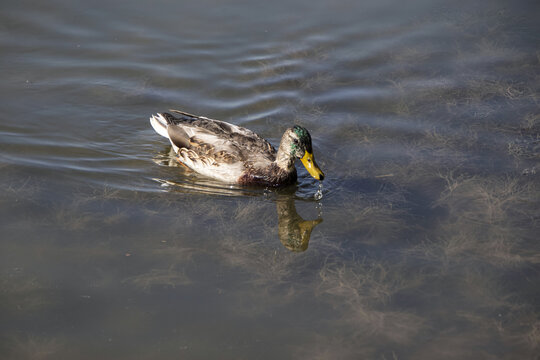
<point>233,154</point>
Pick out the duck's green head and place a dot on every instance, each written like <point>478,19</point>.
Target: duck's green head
<point>301,148</point>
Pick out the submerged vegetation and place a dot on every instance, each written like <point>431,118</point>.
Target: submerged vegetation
<point>424,244</point>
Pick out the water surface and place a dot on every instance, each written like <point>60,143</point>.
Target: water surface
<point>425,119</point>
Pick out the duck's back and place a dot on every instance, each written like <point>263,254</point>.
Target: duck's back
<point>215,148</point>
<point>202,134</point>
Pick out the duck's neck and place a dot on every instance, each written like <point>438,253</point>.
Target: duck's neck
<point>284,159</point>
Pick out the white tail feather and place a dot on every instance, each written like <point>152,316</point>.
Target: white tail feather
<point>160,125</point>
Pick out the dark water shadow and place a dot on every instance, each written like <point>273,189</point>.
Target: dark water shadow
<point>293,230</point>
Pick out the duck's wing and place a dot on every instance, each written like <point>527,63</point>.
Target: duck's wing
<point>207,136</point>
<point>212,131</point>
<point>212,147</point>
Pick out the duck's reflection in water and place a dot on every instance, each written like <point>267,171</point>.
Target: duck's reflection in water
<point>294,232</point>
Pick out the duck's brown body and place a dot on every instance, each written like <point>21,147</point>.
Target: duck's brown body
<point>227,152</point>
<point>271,176</point>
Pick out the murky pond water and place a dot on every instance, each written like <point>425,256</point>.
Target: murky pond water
<point>422,243</point>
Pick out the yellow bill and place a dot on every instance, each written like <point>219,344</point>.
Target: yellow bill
<point>311,166</point>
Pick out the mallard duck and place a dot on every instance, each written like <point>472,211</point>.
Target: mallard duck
<point>234,154</point>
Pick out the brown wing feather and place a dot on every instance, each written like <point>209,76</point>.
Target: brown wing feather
<point>229,154</point>
<point>178,136</point>
<point>224,141</point>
